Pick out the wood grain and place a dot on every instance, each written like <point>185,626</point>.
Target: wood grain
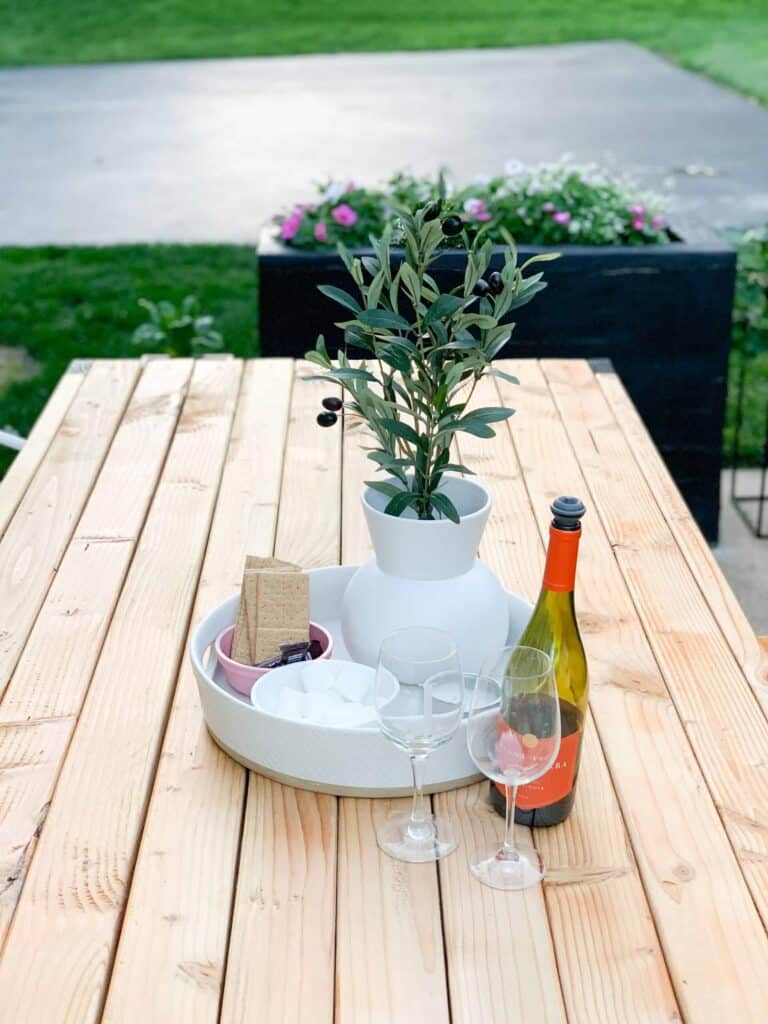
<point>594,896</point>
<point>725,607</point>
<point>25,464</point>
<point>281,953</point>
<point>43,700</point>
<point>44,521</point>
<point>67,919</point>
<point>308,529</point>
<point>698,900</point>
<point>280,965</point>
<point>389,960</point>
<point>501,966</point>
<point>170,959</point>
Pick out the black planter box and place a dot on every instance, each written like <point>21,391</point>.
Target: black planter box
<point>660,314</point>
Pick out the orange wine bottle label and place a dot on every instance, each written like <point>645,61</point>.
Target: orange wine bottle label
<point>560,568</point>
<point>554,784</point>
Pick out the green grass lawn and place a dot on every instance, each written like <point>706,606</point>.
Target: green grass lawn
<point>755,404</point>
<point>64,304</point>
<point>726,39</point>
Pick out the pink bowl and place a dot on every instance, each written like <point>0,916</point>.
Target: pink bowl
<point>242,677</point>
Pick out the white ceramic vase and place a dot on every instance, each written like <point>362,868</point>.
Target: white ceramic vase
<point>426,573</point>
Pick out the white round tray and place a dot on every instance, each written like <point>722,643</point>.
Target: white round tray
<point>347,762</point>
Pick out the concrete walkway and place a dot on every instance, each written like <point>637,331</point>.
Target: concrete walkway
<point>742,557</point>
<point>207,150</point>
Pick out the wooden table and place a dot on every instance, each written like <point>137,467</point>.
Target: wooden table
<point>144,876</point>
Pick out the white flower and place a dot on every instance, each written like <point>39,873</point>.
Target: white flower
<point>333,192</point>
<point>513,168</point>
<point>481,179</point>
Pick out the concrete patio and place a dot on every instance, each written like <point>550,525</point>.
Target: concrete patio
<point>208,150</point>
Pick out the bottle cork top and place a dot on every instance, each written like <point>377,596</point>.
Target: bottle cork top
<point>567,511</point>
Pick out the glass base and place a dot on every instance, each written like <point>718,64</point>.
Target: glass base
<point>522,871</point>
<point>433,840</point>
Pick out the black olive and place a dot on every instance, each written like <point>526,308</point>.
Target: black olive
<point>495,284</point>
<point>432,210</point>
<point>326,419</point>
<point>452,226</point>
<point>332,404</point>
<point>481,288</point>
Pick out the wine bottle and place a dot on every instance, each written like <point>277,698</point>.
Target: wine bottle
<point>553,628</point>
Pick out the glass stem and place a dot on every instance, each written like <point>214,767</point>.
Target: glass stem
<point>509,850</point>
<point>419,826</point>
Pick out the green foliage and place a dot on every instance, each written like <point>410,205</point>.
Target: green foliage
<point>723,38</point>
<point>750,309</point>
<point>749,353</point>
<point>550,204</point>
<point>80,303</point>
<point>177,330</point>
<point>424,353</point>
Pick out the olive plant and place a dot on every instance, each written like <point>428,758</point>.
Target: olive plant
<point>424,351</point>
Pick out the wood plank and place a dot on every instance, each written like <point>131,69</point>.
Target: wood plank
<point>498,945</point>
<point>283,918</point>
<point>711,936</point>
<point>593,894</point>
<point>176,928</point>
<point>720,712</point>
<point>67,920</point>
<point>24,466</point>
<point>43,700</point>
<point>46,516</point>
<point>389,961</point>
<point>309,524</point>
<point>707,573</point>
<point>356,546</point>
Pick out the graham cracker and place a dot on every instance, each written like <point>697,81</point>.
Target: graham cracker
<point>273,610</point>
<point>268,642</point>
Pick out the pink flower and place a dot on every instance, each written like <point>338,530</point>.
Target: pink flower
<point>350,186</point>
<point>637,210</point>
<point>658,222</point>
<point>638,223</point>
<point>344,214</point>
<point>477,209</point>
<point>548,207</point>
<point>561,217</point>
<point>321,232</point>
<point>290,226</point>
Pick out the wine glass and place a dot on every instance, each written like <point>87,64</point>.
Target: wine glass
<point>423,714</point>
<point>513,736</point>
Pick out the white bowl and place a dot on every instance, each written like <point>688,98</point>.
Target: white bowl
<point>265,694</point>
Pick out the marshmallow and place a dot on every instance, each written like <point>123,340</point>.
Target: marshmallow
<point>291,703</point>
<point>317,676</point>
<point>321,704</point>
<point>353,685</point>
<point>352,714</point>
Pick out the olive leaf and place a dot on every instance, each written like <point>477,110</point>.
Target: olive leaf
<point>428,346</point>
